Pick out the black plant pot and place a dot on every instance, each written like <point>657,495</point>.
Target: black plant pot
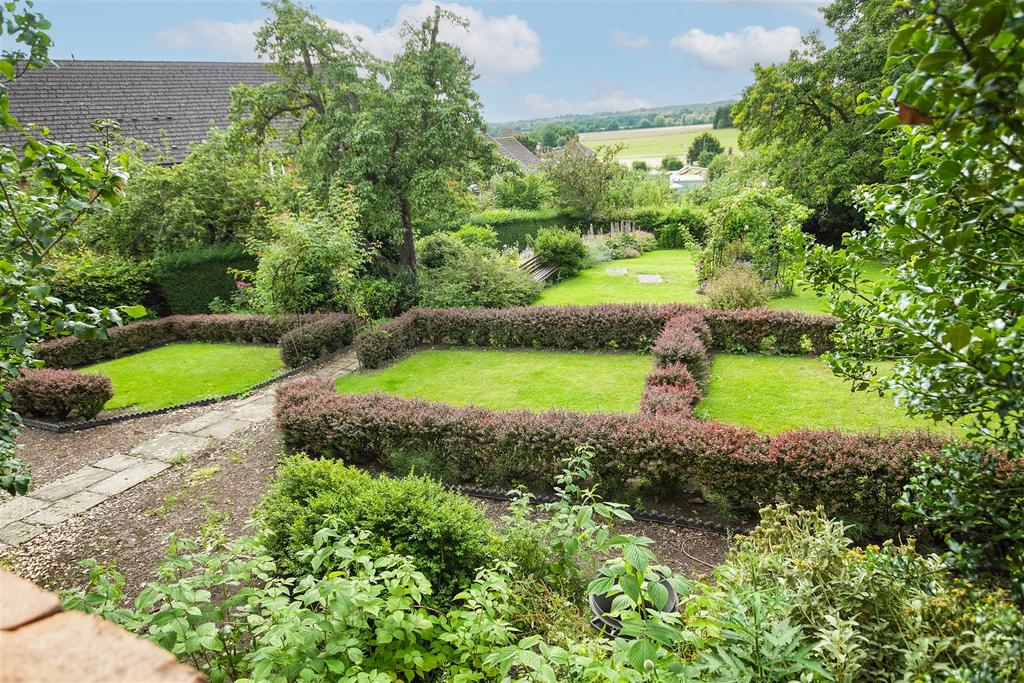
<point>601,604</point>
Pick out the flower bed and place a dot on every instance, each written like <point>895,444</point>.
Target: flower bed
<point>661,453</point>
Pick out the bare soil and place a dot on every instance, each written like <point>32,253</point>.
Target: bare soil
<point>221,485</point>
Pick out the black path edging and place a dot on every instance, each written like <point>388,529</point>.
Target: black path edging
<point>650,516</point>
<point>64,427</point>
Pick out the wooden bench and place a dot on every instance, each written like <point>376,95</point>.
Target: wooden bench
<point>532,265</point>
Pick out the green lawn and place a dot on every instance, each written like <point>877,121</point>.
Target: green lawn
<point>677,267</point>
<point>778,393</point>
<point>658,142</point>
<point>595,286</point>
<point>179,373</point>
<point>534,380</point>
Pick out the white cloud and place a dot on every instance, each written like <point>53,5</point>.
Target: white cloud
<point>629,41</point>
<point>811,8</point>
<point>738,51</point>
<point>233,39</point>
<point>499,46</point>
<point>609,98</point>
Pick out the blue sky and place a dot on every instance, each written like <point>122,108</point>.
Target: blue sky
<point>534,58</point>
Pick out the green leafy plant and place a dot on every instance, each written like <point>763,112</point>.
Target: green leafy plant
<point>737,286</point>
<point>563,249</point>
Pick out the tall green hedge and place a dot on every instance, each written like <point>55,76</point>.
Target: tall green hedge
<point>189,280</point>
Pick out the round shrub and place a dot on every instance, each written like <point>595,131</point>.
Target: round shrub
<point>563,249</point>
<point>478,235</point>
<point>59,394</point>
<point>447,537</point>
<point>737,287</point>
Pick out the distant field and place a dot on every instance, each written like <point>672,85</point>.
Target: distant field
<point>651,144</point>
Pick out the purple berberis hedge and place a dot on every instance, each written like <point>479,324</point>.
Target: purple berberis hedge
<point>59,394</point>
<point>633,327</point>
<point>657,455</point>
<point>307,337</point>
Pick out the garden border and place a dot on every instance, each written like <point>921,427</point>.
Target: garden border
<point>310,337</point>
<point>662,452</point>
<point>78,426</point>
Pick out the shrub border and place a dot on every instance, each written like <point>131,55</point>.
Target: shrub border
<point>65,427</point>
<point>853,474</point>
<point>285,328</point>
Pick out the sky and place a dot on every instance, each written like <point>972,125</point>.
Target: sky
<point>534,59</point>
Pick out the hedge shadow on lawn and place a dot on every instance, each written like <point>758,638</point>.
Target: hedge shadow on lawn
<point>662,453</point>
<point>303,341</point>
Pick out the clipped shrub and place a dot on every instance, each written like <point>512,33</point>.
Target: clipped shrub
<point>793,332</point>
<point>855,477</point>
<point>447,537</point>
<point>607,326</point>
<point>88,279</point>
<point>71,352</point>
<point>685,340</point>
<point>671,163</point>
<point>189,280</point>
<point>316,339</point>
<point>59,394</point>
<point>670,390</point>
<point>563,249</point>
<point>737,287</point>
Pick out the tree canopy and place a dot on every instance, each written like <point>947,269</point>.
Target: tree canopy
<point>802,114</point>
<point>404,133</point>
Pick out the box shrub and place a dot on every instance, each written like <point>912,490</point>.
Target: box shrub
<point>189,280</point>
<point>658,456</point>
<point>59,394</point>
<point>447,537</point>
<point>316,339</point>
<point>563,249</point>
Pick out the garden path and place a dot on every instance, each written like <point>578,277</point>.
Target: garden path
<point>25,517</point>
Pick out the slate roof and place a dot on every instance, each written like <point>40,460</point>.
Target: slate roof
<point>167,104</point>
<point>517,151</point>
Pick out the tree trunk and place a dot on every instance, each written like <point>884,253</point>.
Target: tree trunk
<point>407,250</point>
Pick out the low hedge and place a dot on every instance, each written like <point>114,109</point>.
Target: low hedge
<point>651,455</point>
<point>608,326</point>
<point>335,331</point>
<point>58,394</point>
<point>316,339</point>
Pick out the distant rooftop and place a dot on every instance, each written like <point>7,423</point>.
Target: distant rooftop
<point>167,104</point>
<point>513,149</point>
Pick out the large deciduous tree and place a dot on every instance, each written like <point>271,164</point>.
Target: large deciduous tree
<point>951,232</point>
<point>404,133</point>
<point>46,189</point>
<point>802,114</point>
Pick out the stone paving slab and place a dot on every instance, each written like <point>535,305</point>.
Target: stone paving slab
<point>224,428</point>
<point>169,446</point>
<point>202,422</point>
<point>50,516</point>
<point>19,532</point>
<point>72,483</point>
<point>122,481</point>
<point>255,412</point>
<point>20,508</point>
<point>650,279</point>
<point>116,463</point>
<point>616,271</point>
<point>80,502</point>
